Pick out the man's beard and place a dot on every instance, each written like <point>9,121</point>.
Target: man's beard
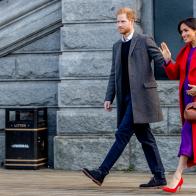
<point>125,31</point>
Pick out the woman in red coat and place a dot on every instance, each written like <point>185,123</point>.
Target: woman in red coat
<point>184,69</point>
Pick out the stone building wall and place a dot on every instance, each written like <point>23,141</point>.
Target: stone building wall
<point>85,131</point>
<point>29,60</point>
<point>57,53</point>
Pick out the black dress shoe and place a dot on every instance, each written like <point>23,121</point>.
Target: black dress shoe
<point>95,175</point>
<point>154,182</point>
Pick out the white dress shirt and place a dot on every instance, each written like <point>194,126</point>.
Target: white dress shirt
<point>129,37</point>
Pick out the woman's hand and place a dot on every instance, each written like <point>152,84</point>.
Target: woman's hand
<point>165,52</point>
<point>192,91</point>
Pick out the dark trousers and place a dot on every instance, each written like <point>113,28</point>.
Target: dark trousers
<point>144,135</point>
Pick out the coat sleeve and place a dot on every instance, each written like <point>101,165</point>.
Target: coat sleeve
<point>110,93</point>
<point>172,70</point>
<point>154,52</point>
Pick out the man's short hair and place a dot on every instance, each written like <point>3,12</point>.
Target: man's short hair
<point>130,13</point>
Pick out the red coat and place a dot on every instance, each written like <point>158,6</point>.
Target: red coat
<point>177,71</point>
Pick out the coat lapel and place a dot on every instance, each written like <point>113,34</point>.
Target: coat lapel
<point>118,59</point>
<point>133,42</point>
<point>183,62</point>
<point>184,59</point>
<point>118,54</point>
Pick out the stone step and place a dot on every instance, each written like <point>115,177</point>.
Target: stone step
<point>49,43</point>
<point>168,147</point>
<point>85,120</point>
<point>85,64</point>
<point>88,10</point>
<point>11,10</point>
<point>81,93</point>
<point>96,120</point>
<point>91,92</point>
<point>76,152</point>
<point>29,66</point>
<point>24,93</point>
<point>90,36</point>
<point>30,26</point>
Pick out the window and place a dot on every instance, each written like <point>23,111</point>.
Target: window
<point>167,15</point>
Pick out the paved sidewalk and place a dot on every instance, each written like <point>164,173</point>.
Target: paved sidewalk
<point>47,182</point>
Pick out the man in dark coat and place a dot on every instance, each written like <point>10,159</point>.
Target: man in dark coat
<point>132,82</point>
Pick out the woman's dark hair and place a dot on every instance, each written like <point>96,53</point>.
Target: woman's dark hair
<point>190,22</point>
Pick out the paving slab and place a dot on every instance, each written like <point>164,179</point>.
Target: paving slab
<point>49,182</point>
